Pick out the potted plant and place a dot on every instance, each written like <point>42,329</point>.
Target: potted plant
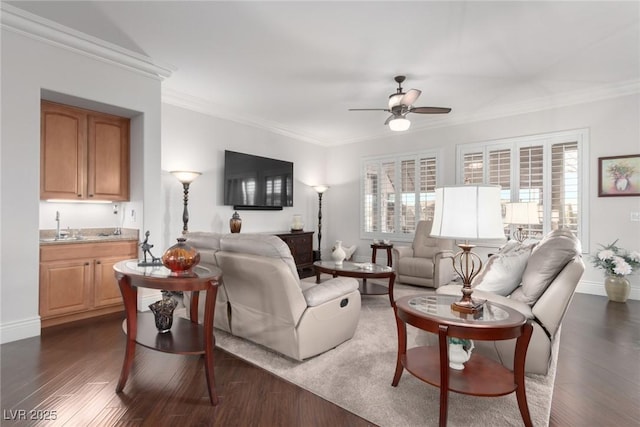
<point>617,263</point>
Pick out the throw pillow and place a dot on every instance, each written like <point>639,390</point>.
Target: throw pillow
<point>503,272</point>
<point>547,260</point>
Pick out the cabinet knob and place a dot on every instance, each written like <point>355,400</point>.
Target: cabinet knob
<point>79,195</point>
<point>90,195</point>
<point>86,263</point>
<point>98,262</point>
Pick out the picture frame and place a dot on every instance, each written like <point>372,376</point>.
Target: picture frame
<point>619,176</point>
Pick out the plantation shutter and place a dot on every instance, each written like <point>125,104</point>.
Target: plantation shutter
<point>408,196</point>
<point>532,181</point>
<point>473,164</point>
<point>427,195</point>
<point>397,193</point>
<point>564,186</point>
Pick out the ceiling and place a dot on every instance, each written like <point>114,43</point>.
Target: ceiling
<point>297,67</point>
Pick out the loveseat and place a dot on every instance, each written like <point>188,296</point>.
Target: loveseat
<point>262,298</point>
<point>539,281</point>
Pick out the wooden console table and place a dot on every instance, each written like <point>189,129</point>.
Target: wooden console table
<point>481,375</point>
<point>185,337</point>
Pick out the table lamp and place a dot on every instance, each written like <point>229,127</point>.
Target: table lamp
<point>519,214</point>
<point>467,212</point>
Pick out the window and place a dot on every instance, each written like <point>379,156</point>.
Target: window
<point>397,192</point>
<point>549,170</point>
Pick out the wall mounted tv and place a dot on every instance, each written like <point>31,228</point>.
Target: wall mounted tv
<point>257,183</point>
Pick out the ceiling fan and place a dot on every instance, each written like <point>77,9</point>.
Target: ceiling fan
<point>401,104</point>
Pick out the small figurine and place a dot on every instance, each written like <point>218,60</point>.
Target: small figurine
<point>146,249</point>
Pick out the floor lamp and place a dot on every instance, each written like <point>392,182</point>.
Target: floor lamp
<point>319,189</point>
<point>186,178</point>
<point>519,214</point>
<point>467,212</point>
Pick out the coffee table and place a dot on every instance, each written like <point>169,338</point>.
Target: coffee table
<point>185,336</point>
<point>362,271</point>
<point>481,375</point>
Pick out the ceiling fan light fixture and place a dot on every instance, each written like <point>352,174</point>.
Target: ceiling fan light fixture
<point>399,124</point>
<point>395,99</point>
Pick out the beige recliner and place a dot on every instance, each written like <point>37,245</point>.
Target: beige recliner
<point>542,294</point>
<point>262,298</point>
<point>427,262</point>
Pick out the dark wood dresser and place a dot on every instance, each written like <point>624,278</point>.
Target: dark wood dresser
<point>301,245</point>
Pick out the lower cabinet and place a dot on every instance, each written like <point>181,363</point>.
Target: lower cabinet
<point>301,245</point>
<point>77,280</point>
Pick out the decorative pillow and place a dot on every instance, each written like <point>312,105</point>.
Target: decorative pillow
<point>503,272</point>
<point>547,259</point>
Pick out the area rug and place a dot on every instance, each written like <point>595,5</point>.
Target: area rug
<point>357,377</point>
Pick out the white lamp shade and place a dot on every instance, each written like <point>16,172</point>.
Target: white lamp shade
<point>400,124</point>
<point>468,212</point>
<point>320,188</point>
<point>185,177</point>
<point>521,213</point>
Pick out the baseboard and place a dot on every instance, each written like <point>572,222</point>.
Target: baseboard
<point>19,329</point>
<point>597,288</point>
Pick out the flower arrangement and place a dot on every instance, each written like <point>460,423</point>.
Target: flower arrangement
<point>466,343</point>
<point>616,261</point>
<point>620,170</point>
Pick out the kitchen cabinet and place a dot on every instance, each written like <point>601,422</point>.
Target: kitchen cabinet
<point>84,155</point>
<point>77,280</point>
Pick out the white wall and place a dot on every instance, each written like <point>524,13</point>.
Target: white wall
<point>30,65</point>
<point>194,141</point>
<point>614,127</point>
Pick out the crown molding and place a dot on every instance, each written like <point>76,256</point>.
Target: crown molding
<point>41,29</point>
<point>204,106</point>
<point>566,99</point>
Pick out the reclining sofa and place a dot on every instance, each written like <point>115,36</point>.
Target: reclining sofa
<point>538,280</point>
<point>262,298</point>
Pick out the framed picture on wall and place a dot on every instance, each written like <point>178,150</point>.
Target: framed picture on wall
<point>619,176</point>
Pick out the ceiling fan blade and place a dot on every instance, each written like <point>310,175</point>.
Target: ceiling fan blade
<point>410,97</point>
<point>369,109</point>
<point>391,117</point>
<point>430,110</point>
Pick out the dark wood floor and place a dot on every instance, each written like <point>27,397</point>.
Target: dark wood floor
<point>70,373</point>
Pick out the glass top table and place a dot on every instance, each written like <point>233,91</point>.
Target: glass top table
<point>495,322</point>
<point>361,271</point>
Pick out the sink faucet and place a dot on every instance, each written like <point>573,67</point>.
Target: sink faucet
<point>58,225</point>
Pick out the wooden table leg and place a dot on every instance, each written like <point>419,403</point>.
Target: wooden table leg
<point>402,349</point>
<point>392,280</point>
<point>444,373</point>
<point>209,343</point>
<point>130,298</point>
<point>389,258</point>
<point>522,345</point>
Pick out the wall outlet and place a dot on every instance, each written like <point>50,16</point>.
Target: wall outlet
<point>133,215</point>
<point>635,216</point>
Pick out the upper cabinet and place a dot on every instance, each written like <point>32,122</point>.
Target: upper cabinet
<point>84,155</point>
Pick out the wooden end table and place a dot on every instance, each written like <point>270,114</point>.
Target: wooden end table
<point>358,271</point>
<point>374,253</point>
<point>481,375</point>
<point>186,336</point>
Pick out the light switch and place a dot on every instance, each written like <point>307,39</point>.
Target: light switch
<point>635,216</point>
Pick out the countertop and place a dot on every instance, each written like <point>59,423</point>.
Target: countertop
<point>87,235</point>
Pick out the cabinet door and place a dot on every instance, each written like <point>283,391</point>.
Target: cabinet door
<point>63,156</point>
<point>65,287</point>
<point>106,289</point>
<point>108,146</point>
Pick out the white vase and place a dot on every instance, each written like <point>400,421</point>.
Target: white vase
<point>338,254</point>
<point>458,355</point>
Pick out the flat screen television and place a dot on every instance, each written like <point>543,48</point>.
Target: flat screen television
<point>254,182</point>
